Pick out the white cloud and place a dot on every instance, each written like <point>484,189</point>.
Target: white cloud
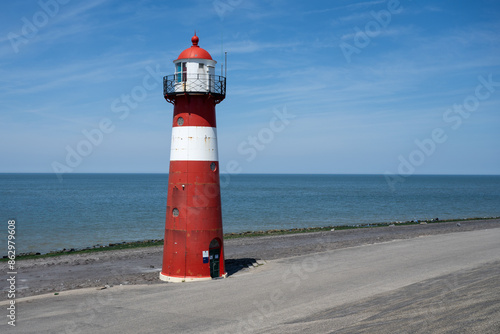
<point>249,46</point>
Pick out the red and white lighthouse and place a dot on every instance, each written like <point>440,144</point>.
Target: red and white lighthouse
<point>194,246</point>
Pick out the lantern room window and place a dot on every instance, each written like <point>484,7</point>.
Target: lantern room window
<point>180,72</point>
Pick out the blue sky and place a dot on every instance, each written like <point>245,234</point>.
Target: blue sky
<point>398,87</point>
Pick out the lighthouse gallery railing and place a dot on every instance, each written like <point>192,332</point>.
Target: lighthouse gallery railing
<point>194,83</point>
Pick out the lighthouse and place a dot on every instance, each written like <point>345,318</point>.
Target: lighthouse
<point>193,245</point>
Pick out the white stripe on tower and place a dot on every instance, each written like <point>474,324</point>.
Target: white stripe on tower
<point>194,143</point>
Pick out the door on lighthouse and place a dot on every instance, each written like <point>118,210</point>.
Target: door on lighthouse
<point>214,253</point>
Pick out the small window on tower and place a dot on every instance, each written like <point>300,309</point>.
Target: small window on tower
<point>200,65</point>
<point>175,212</point>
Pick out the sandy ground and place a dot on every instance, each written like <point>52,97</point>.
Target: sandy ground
<point>142,265</point>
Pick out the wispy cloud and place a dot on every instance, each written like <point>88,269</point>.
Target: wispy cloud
<point>249,46</point>
<point>353,6</point>
<point>382,33</point>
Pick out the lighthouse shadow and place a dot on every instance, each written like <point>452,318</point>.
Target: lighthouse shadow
<point>234,266</point>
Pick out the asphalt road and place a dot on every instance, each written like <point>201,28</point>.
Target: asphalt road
<point>434,284</point>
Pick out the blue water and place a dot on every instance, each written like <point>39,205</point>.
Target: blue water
<point>89,209</point>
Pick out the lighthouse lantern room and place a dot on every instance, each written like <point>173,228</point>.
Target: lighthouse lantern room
<point>193,245</point>
<point>194,73</point>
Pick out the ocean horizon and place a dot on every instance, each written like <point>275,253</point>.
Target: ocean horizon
<point>87,209</point>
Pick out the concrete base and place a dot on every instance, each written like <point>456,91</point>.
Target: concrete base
<point>186,279</point>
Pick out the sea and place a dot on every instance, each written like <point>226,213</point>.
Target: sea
<point>83,210</point>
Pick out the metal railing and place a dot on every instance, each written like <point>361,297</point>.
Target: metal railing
<point>186,83</point>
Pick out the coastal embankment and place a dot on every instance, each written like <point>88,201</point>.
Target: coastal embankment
<point>141,265</point>
<point>429,278</point>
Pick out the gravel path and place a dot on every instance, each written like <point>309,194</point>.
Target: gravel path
<point>141,265</point>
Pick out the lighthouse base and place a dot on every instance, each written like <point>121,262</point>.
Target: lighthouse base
<point>174,279</point>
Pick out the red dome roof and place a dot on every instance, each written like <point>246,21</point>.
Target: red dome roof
<point>194,51</point>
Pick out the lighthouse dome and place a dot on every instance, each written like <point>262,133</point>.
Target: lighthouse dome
<point>194,52</point>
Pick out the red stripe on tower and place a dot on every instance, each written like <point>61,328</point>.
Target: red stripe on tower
<point>194,246</point>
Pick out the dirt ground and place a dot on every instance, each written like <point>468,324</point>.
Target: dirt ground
<point>142,265</point>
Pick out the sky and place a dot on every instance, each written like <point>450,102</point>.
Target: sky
<point>337,87</point>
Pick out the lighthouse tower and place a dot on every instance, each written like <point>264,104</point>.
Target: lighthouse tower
<point>194,246</point>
